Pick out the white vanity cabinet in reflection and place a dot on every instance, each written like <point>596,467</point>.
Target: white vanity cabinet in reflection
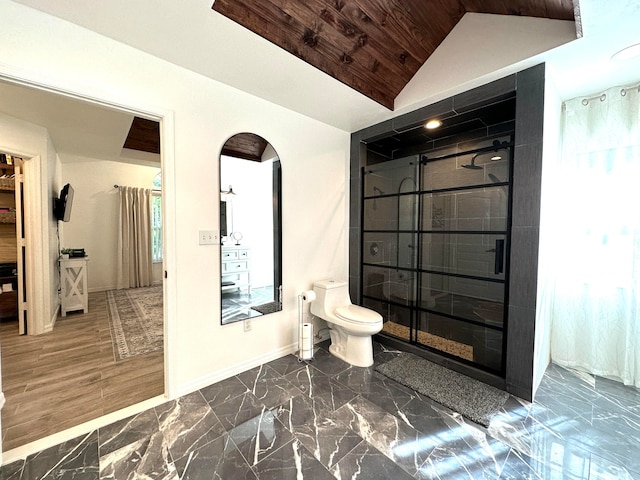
<point>236,267</point>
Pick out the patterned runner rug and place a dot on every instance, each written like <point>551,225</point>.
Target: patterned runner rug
<point>135,320</point>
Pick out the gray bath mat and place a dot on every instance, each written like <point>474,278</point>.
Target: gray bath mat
<point>471,398</point>
<point>266,308</point>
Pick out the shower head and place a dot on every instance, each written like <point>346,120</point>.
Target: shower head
<point>472,165</point>
<point>496,146</point>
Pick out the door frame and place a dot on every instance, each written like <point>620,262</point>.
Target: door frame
<point>39,223</point>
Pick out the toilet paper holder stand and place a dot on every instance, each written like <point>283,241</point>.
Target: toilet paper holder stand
<point>305,330</point>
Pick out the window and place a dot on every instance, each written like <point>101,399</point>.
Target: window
<point>156,219</point>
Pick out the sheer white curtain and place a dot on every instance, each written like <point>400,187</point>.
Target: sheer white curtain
<point>134,238</point>
<point>595,287</point>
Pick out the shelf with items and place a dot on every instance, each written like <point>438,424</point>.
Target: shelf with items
<point>8,240</point>
<point>7,185</point>
<point>7,172</point>
<point>8,292</point>
<point>8,161</point>
<point>7,216</point>
<point>7,178</point>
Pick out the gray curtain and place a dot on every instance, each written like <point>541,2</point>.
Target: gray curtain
<point>134,238</point>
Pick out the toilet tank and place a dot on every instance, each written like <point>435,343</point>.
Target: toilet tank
<point>330,294</point>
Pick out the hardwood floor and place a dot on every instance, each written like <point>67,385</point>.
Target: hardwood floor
<point>61,379</point>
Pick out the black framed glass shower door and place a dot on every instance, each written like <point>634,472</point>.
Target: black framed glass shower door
<point>436,231</point>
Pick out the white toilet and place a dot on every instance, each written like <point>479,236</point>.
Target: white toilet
<point>350,326</point>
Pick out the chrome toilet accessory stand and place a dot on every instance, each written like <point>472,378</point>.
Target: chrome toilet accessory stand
<point>305,330</point>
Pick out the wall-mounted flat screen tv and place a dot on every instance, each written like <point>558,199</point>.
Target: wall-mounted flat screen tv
<point>62,205</point>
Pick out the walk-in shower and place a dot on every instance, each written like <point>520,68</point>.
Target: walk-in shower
<point>435,241</point>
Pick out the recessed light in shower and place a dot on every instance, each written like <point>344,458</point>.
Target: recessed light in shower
<point>495,158</point>
<point>431,124</point>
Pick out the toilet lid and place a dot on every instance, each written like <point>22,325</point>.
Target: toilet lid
<point>357,314</point>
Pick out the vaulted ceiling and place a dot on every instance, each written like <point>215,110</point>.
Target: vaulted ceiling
<point>373,46</point>
<point>214,46</point>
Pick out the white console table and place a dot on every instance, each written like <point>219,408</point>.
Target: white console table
<point>73,274</point>
<point>236,267</point>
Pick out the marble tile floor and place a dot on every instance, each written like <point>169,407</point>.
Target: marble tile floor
<point>236,304</point>
<point>325,420</point>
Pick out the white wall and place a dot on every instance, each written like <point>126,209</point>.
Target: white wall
<point>550,152</point>
<point>94,215</point>
<point>482,48</point>
<point>202,114</point>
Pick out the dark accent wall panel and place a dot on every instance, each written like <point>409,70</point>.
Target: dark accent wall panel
<point>442,110</point>
<point>520,352</point>
<point>358,156</point>
<point>485,94</point>
<point>528,88</point>
<point>523,263</point>
<point>355,240</point>
<point>527,179</point>
<point>375,132</point>
<point>530,105</point>
<point>527,175</point>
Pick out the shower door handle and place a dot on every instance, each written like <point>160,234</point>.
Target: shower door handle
<point>499,258</point>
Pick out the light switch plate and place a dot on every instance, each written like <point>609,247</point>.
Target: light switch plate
<point>208,237</point>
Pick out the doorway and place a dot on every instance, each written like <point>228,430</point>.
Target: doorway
<point>82,338</point>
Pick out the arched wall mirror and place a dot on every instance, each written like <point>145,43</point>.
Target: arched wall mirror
<point>250,228</point>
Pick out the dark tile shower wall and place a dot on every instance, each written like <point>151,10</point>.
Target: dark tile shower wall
<point>525,232</point>
<point>528,86</point>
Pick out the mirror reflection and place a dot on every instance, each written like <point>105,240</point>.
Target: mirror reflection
<point>250,228</point>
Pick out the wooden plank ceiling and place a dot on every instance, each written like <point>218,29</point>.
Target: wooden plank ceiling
<point>248,146</point>
<point>373,46</point>
<point>144,135</point>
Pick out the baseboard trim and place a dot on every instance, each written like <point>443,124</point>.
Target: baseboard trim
<point>54,318</point>
<point>235,369</point>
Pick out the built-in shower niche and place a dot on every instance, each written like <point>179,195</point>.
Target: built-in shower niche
<point>435,235</point>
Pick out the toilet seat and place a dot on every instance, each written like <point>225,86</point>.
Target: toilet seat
<point>357,314</point>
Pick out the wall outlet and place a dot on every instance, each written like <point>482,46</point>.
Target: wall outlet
<point>208,237</point>
<point>247,325</point>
